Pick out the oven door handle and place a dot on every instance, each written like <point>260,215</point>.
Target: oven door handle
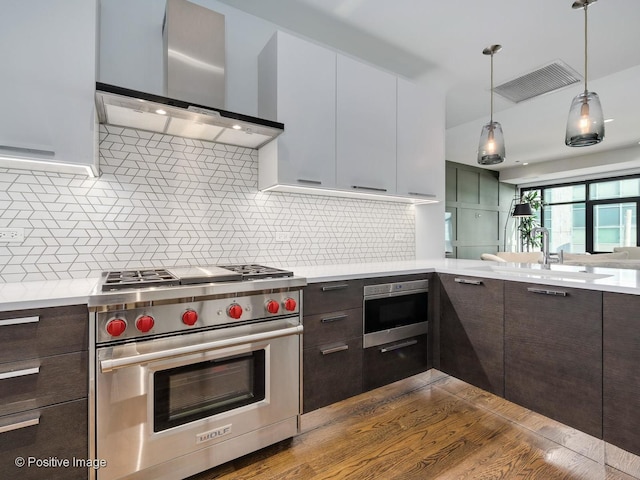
<point>108,365</point>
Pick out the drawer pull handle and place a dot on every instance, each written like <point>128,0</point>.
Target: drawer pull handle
<point>466,281</point>
<point>544,291</point>
<point>329,351</point>
<point>19,321</point>
<point>333,319</point>
<point>19,373</point>
<point>329,288</point>
<point>18,425</point>
<point>312,182</point>
<point>398,346</point>
<point>418,194</point>
<point>373,189</point>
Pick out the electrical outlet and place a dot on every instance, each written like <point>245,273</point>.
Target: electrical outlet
<point>283,236</point>
<point>12,235</point>
<point>399,237</point>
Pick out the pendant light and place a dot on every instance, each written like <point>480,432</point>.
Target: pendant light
<point>491,147</point>
<point>585,125</point>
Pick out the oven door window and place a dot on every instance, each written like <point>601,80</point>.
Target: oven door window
<point>191,392</point>
<point>395,311</point>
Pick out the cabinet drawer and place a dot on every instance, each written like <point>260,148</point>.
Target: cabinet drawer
<point>332,296</point>
<point>43,332</point>
<point>34,383</point>
<point>57,431</point>
<point>331,373</point>
<point>332,327</point>
<point>394,361</point>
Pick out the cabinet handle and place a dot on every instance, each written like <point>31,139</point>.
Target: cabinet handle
<point>19,321</point>
<point>312,182</point>
<point>333,319</point>
<point>467,281</point>
<point>18,425</point>
<point>398,346</point>
<point>19,373</point>
<point>31,151</point>
<point>373,189</point>
<point>418,194</point>
<point>544,291</point>
<point>329,288</point>
<point>329,351</point>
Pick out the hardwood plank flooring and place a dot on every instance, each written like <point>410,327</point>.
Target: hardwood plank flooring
<point>430,426</point>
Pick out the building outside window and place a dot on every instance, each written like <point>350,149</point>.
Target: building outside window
<point>591,216</point>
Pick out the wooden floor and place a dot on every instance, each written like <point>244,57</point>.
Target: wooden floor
<point>430,426</point>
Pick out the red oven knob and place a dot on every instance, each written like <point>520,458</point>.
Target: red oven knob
<point>290,304</point>
<point>145,323</point>
<point>272,306</point>
<point>190,317</point>
<point>116,327</point>
<point>234,311</point>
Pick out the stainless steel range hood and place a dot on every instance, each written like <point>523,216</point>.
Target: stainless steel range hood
<point>194,80</point>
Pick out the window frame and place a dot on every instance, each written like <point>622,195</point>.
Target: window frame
<point>589,204</point>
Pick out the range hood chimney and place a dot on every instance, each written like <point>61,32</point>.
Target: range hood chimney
<point>194,81</point>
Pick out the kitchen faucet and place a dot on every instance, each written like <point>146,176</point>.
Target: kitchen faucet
<point>547,257</point>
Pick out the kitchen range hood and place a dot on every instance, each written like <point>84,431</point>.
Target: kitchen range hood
<point>132,109</point>
<point>194,86</point>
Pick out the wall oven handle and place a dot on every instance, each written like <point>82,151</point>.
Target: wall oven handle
<point>108,365</point>
<point>23,424</point>
<point>341,348</point>
<point>398,346</point>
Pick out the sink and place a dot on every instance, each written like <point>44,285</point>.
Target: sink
<point>556,271</point>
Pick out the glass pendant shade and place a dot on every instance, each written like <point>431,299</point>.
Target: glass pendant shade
<point>491,147</point>
<point>585,125</point>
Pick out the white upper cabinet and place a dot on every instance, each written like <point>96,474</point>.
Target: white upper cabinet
<point>420,135</point>
<point>297,87</point>
<point>47,86</point>
<point>365,128</point>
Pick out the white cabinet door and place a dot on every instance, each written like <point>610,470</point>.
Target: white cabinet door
<point>366,128</point>
<point>298,88</point>
<point>421,163</point>
<point>47,85</point>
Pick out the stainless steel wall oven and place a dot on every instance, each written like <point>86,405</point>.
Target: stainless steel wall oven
<point>394,311</point>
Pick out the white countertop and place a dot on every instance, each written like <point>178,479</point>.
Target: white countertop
<point>17,296</point>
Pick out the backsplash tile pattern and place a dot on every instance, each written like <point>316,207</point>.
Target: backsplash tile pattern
<point>169,201</point>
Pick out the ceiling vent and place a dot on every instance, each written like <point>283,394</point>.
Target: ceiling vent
<point>546,79</point>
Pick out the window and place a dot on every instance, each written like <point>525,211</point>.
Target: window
<point>591,216</point>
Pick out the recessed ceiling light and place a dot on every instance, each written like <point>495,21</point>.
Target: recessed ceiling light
<point>525,163</point>
<point>161,112</point>
<point>609,120</point>
<point>237,127</point>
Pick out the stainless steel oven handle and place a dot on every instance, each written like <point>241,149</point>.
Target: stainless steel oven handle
<point>395,294</point>
<point>398,346</point>
<point>108,365</point>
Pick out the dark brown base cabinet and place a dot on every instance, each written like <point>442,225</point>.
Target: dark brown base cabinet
<point>621,358</point>
<point>394,361</point>
<point>43,393</point>
<point>553,353</point>
<point>471,331</point>
<point>332,343</point>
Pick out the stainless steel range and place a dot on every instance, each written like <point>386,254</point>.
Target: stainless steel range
<point>192,367</point>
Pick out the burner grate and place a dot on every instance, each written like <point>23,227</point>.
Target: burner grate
<point>252,271</point>
<point>138,278</point>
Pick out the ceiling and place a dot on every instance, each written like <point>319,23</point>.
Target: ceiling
<point>441,42</point>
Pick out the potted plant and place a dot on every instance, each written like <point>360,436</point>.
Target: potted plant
<point>527,239</point>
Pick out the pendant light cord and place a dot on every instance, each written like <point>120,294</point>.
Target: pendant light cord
<point>491,118</point>
<point>586,4</point>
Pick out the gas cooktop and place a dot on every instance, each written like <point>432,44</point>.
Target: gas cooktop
<point>160,277</point>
